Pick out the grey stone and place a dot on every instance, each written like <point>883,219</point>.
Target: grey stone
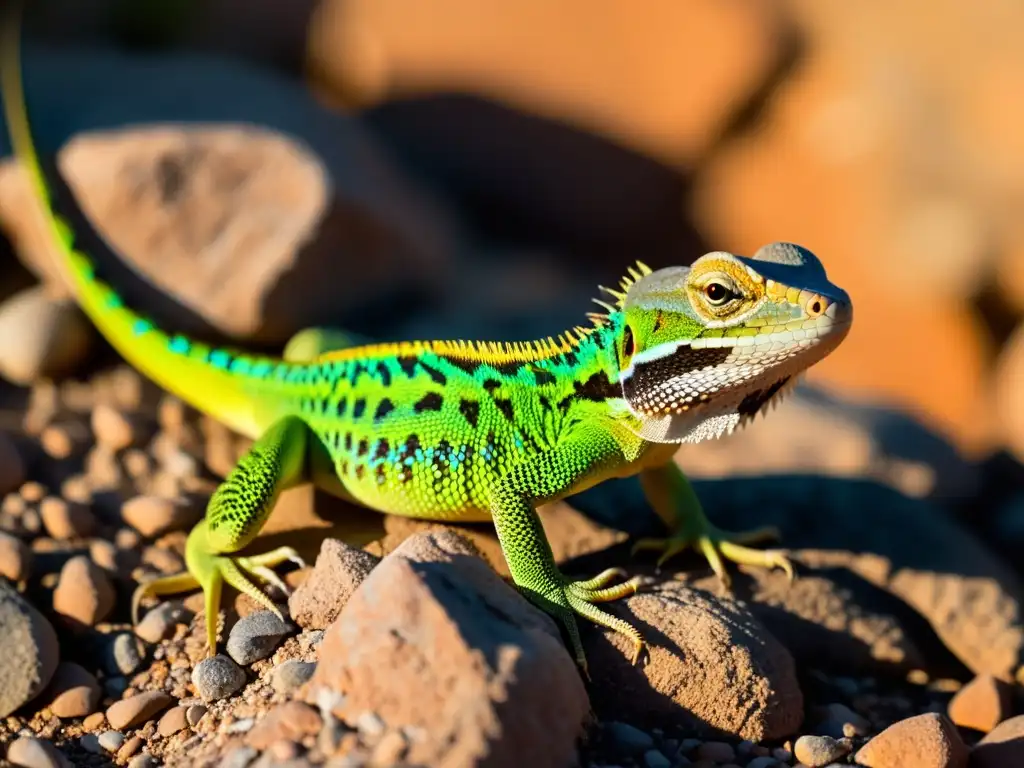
<point>217,678</point>
<point>255,637</point>
<point>30,653</point>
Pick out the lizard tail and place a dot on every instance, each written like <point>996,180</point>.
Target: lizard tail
<point>217,381</point>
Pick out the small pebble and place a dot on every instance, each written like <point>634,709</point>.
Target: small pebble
<point>31,752</point>
<point>123,656</point>
<point>217,678</point>
<point>83,592</point>
<point>90,742</point>
<point>154,516</point>
<point>95,721</point>
<point>63,520</point>
<point>112,428</point>
<point>137,709</point>
<point>173,721</point>
<point>655,759</point>
<point>255,637</point>
<point>629,738</point>
<point>819,751</point>
<point>782,754</point>
<point>716,752</point>
<point>144,761</point>
<point>111,741</point>
<point>130,748</point>
<point>15,558</point>
<point>240,757</point>
<point>195,714</point>
<point>292,674</point>
<point>104,554</point>
<point>241,726</point>
<point>160,622</point>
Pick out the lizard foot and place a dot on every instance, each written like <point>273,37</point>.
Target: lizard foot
<point>210,572</point>
<point>716,544</point>
<point>569,598</point>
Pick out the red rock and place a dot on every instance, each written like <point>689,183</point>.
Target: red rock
<point>113,429</point>
<point>289,721</point>
<point>924,741</point>
<point>493,680</point>
<point>710,665</point>
<point>64,520</point>
<point>137,709</point>
<point>73,692</point>
<point>339,569</point>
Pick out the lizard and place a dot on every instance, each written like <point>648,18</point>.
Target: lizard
<point>465,431</point>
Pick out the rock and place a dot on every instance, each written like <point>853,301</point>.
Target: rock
<point>143,761</point>
<point>30,752</point>
<point>836,720</point>
<point>64,520</point>
<point>113,429</point>
<point>12,465</point>
<point>981,704</point>
<point>195,714</point>
<point>174,199</point>
<point>339,569</point>
<point>716,752</point>
<point>130,748</point>
<point>818,751</point>
<point>434,618</point>
<point>876,540</point>
<point>217,678</point>
<point>629,738</point>
<point>1002,746</point>
<point>15,558</point>
<point>364,51</point>
<point>823,623</point>
<point>710,665</point>
<point>138,709</point>
<point>30,652</point>
<point>153,516</point>
<point>292,674</point>
<point>174,720</point>
<point>83,592</point>
<point>255,637</point>
<point>41,336</point>
<point>655,759</point>
<point>73,692</point>
<point>290,721</point>
<point>159,623</point>
<point>111,741</point>
<point>928,741</point>
<point>123,656</point>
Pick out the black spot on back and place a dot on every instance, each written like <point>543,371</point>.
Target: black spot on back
<point>510,368</point>
<point>359,408</point>
<point>470,409</point>
<point>384,373</point>
<point>597,388</point>
<point>491,384</point>
<point>408,365</point>
<point>435,375</point>
<point>348,441</point>
<point>384,407</point>
<point>505,406</point>
<point>342,406</point>
<point>364,447</point>
<point>543,377</point>
<point>431,401</point>
<point>469,366</point>
<point>381,451</point>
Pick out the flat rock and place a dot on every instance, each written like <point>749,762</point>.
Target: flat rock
<point>823,623</point>
<point>137,709</point>
<point>924,741</point>
<point>1002,746</point>
<point>710,665</point>
<point>154,516</point>
<point>339,569</point>
<point>30,752</point>
<point>876,537</point>
<point>30,654</point>
<point>250,169</point>
<point>494,681</point>
<point>84,592</point>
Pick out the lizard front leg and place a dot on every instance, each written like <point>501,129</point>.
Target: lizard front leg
<point>528,552</point>
<point>236,512</point>
<point>670,494</point>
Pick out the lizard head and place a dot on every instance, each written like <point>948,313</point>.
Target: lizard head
<point>704,348</point>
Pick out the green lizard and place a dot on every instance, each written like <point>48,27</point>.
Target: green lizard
<point>476,431</point>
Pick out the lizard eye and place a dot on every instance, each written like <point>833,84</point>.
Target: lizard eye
<point>718,294</point>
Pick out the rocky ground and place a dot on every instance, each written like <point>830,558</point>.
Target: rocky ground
<point>403,210</point>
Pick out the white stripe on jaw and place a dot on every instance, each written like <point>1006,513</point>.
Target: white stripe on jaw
<point>813,330</point>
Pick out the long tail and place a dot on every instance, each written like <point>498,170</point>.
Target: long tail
<point>217,381</point>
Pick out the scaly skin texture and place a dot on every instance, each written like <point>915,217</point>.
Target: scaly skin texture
<point>471,430</point>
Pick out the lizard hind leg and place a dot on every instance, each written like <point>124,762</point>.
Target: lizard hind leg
<point>234,516</point>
